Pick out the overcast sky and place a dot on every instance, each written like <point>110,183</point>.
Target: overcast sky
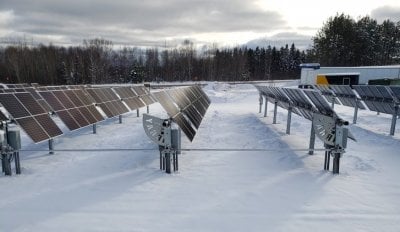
<point>168,22</point>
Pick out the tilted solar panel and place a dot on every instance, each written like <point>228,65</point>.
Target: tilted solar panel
<point>30,116</point>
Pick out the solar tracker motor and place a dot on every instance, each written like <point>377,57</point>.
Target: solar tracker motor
<point>334,133</point>
<point>168,139</point>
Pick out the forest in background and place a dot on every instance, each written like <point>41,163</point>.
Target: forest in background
<point>342,41</point>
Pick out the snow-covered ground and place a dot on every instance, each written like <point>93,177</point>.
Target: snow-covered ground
<point>278,190</point>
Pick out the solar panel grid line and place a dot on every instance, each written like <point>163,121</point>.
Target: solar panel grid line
<point>64,99</point>
<point>96,114</point>
<point>52,100</point>
<point>88,114</point>
<point>13,105</point>
<point>322,106</point>
<point>30,104</point>
<point>74,98</point>
<point>49,126</point>
<point>78,117</point>
<point>33,129</point>
<point>185,126</point>
<point>106,110</point>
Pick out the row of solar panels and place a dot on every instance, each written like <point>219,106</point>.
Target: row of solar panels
<point>377,98</point>
<point>303,102</point>
<point>76,106</point>
<point>185,106</point>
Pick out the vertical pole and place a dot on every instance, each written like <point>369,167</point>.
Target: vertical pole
<point>161,161</point>
<point>265,107</point>
<point>168,162</point>
<point>275,112</point>
<point>336,162</point>
<point>51,146</point>
<point>260,103</point>
<point>356,112</point>
<point>7,164</point>
<point>17,163</point>
<point>137,113</point>
<point>312,139</point>
<point>94,128</point>
<point>3,162</point>
<point>148,109</point>
<point>394,119</point>
<point>333,102</point>
<point>289,120</point>
<point>120,119</point>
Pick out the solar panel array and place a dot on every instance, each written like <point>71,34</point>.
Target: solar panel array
<point>377,98</point>
<point>30,115</point>
<point>72,107</point>
<point>304,102</point>
<point>346,95</point>
<point>185,106</point>
<point>108,101</point>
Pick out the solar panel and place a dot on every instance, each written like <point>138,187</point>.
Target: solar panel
<point>73,107</point>
<point>346,96</point>
<point>33,129</point>
<point>377,98</point>
<point>328,93</point>
<point>30,115</point>
<point>108,101</point>
<point>30,103</point>
<point>319,102</point>
<point>167,103</point>
<point>13,105</point>
<point>185,126</point>
<point>49,125</point>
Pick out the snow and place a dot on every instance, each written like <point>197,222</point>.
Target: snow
<point>282,189</point>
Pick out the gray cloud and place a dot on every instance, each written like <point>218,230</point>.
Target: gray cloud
<point>386,12</point>
<point>137,21</point>
<point>278,40</point>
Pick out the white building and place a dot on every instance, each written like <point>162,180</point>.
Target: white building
<point>312,74</point>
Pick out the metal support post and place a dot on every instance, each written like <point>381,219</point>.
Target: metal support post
<point>336,163</point>
<point>137,113</point>
<point>7,164</point>
<point>275,112</point>
<point>289,120</point>
<point>51,146</point>
<point>260,99</point>
<point>333,102</point>
<point>17,163</point>
<point>148,109</point>
<point>394,119</point>
<point>312,140</point>
<point>120,119</point>
<point>94,128</point>
<point>266,107</point>
<point>327,158</point>
<point>356,112</point>
<point>168,162</point>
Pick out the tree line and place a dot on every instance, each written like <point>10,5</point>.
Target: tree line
<point>97,62</point>
<point>342,41</point>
